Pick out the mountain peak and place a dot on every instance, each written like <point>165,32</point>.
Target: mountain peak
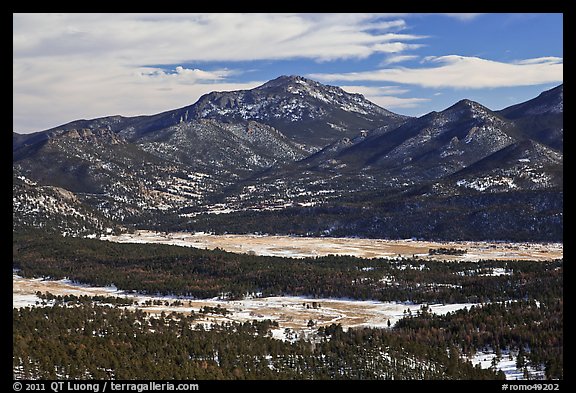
<point>258,149</point>
<point>468,107</point>
<point>296,84</point>
<point>286,79</point>
<point>466,103</point>
<point>306,111</point>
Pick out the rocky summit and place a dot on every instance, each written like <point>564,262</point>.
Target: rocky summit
<point>294,156</point>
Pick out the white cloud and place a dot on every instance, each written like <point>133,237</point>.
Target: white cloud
<point>173,39</point>
<point>462,72</point>
<point>70,66</point>
<point>66,91</point>
<point>374,90</point>
<point>183,75</point>
<point>385,96</point>
<point>397,59</point>
<point>463,16</point>
<point>540,60</point>
<point>391,102</point>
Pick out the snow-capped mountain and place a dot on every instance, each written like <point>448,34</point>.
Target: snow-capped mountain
<point>422,150</point>
<point>293,143</point>
<point>307,112</point>
<point>436,144</point>
<point>129,167</point>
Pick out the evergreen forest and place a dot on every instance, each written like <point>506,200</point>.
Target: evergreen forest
<point>520,312</point>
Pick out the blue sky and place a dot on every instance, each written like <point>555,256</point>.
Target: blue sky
<point>81,66</point>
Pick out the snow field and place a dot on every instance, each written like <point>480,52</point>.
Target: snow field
<point>292,313</point>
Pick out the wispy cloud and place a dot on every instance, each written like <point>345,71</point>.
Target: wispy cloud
<point>462,72</point>
<point>374,90</point>
<point>184,75</point>
<point>463,16</point>
<point>540,60</point>
<point>70,90</point>
<point>173,39</point>
<point>393,59</point>
<point>386,96</point>
<point>69,66</point>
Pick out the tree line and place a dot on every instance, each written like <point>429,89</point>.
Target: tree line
<point>521,312</point>
<point>92,341</point>
<point>171,270</point>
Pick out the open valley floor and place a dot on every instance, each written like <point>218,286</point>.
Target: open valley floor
<point>296,319</point>
<point>301,247</point>
<point>291,312</point>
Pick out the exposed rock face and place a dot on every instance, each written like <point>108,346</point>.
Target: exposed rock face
<point>294,143</point>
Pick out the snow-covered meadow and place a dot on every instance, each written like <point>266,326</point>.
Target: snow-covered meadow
<point>297,316</point>
<point>506,363</point>
<point>292,313</point>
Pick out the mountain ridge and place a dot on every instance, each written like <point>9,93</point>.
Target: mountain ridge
<point>294,143</point>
